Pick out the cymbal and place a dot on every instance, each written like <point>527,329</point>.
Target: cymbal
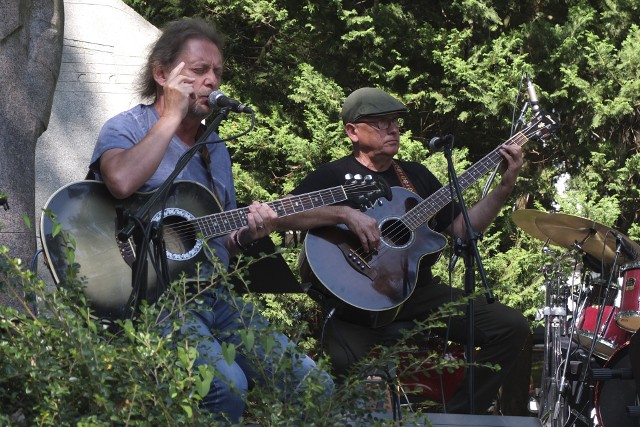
<point>596,239</point>
<point>527,218</point>
<point>567,231</point>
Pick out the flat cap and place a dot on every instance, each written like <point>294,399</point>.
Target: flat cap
<point>370,101</point>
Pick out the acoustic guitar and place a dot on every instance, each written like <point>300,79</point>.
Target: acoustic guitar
<point>372,286</point>
<point>86,211</point>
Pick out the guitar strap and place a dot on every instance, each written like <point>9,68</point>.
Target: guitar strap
<point>404,179</point>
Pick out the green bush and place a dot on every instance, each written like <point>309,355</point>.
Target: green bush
<point>61,366</point>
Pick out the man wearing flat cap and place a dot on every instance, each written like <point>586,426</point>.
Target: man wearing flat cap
<point>372,120</point>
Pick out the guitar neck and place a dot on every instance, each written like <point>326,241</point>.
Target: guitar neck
<point>427,208</point>
<point>219,224</point>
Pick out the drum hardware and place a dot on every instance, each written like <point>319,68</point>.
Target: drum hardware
<point>603,374</point>
<point>579,417</point>
<point>554,311</point>
<point>575,385</point>
<point>555,390</point>
<point>602,346</point>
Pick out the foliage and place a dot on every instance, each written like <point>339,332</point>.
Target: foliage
<point>62,366</point>
<point>459,66</point>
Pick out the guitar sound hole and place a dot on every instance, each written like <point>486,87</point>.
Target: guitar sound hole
<point>395,233</point>
<point>179,235</point>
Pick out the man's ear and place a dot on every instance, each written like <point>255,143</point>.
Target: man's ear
<point>352,131</point>
<point>160,75</point>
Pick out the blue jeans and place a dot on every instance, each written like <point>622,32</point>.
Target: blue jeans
<point>218,317</point>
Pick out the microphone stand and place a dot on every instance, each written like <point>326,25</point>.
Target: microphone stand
<point>468,249</point>
<point>142,238</point>
<point>587,368</point>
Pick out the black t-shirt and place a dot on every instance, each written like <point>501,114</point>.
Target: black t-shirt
<point>425,183</point>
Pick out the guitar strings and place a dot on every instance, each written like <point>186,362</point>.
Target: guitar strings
<point>227,221</point>
<point>415,217</point>
<point>409,222</point>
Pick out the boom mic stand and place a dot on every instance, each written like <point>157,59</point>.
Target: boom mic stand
<point>468,249</point>
<point>144,236</point>
<point>585,373</point>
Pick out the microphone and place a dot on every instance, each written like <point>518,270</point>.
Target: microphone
<point>626,248</point>
<point>533,96</point>
<point>217,99</point>
<point>438,143</point>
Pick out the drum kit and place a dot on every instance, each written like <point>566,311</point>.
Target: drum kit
<point>591,315</point>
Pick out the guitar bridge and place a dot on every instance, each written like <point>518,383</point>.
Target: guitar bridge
<point>356,261</point>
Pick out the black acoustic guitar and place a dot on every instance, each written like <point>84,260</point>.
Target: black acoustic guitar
<point>374,285</point>
<point>86,211</point>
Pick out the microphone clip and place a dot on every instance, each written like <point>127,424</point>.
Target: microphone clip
<point>439,143</point>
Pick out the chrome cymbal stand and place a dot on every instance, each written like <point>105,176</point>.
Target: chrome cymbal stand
<point>554,409</point>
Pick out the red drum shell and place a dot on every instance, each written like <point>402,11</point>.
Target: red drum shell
<point>426,382</point>
<point>610,336</point>
<point>628,318</point>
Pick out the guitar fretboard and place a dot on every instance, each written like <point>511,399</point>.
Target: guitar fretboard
<point>224,222</point>
<point>427,208</point>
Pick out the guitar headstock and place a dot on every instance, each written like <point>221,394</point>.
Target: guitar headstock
<point>541,126</point>
<point>365,191</point>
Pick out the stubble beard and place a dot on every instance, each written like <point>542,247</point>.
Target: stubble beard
<point>199,112</point>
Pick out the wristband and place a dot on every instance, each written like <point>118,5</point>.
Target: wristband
<point>236,240</point>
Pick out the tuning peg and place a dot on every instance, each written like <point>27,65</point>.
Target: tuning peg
<point>357,177</point>
<point>368,179</point>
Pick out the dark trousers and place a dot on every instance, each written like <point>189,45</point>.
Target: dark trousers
<point>500,332</point>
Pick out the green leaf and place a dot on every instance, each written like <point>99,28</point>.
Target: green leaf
<point>229,352</point>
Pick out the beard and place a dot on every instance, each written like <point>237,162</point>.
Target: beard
<point>199,112</point>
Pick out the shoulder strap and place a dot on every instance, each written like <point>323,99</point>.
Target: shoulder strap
<point>404,179</point>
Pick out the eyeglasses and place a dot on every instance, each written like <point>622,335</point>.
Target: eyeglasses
<point>384,124</point>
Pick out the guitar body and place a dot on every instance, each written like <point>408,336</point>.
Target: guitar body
<point>375,283</point>
<point>88,213</point>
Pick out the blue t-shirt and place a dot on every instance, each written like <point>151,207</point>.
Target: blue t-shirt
<point>130,127</point>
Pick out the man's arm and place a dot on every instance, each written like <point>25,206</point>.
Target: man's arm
<point>485,211</point>
<point>260,222</point>
<point>364,226</point>
<point>125,171</point>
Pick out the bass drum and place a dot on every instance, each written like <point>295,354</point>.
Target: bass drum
<point>613,396</point>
